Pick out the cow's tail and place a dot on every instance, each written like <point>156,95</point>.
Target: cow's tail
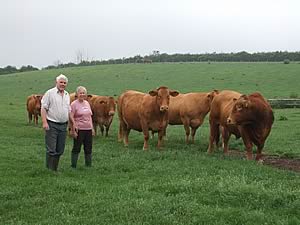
<point>119,109</point>
<point>217,137</point>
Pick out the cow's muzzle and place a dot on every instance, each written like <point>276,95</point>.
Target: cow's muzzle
<point>111,113</point>
<point>164,108</point>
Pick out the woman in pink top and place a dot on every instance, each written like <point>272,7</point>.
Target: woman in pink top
<point>82,130</point>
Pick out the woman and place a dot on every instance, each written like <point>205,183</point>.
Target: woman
<point>82,129</point>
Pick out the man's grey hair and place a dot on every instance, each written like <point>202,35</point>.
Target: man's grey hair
<point>81,88</point>
<point>61,77</point>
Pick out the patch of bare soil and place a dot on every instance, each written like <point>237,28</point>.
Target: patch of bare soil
<point>274,161</point>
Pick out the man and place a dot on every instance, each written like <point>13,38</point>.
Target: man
<point>55,112</point>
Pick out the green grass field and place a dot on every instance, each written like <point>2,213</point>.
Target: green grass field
<point>179,185</point>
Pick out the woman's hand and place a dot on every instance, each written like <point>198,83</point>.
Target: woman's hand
<point>74,132</point>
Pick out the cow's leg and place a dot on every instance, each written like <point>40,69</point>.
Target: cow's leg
<point>194,129</point>
<point>95,128</point>
<point>120,134</point>
<point>186,126</point>
<point>126,132</point>
<point>195,124</point>
<point>106,131</point>
<point>29,117</point>
<point>36,117</point>
<point>259,152</point>
<point>161,134</point>
<point>101,128</point>
<point>225,139</point>
<point>248,145</point>
<point>146,139</point>
<point>214,136</point>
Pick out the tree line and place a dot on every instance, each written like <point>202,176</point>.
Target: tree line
<point>156,56</point>
<point>13,69</point>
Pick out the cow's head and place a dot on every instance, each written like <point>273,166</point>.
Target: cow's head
<point>111,106</point>
<point>37,100</point>
<point>162,95</point>
<point>242,112</point>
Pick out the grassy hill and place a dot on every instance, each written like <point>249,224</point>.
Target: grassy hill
<point>179,185</point>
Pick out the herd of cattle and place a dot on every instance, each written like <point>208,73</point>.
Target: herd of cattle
<point>246,116</point>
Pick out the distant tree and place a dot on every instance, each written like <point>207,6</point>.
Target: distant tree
<point>27,68</point>
<point>9,69</point>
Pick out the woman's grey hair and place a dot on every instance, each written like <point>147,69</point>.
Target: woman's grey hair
<point>81,88</point>
<point>61,77</point>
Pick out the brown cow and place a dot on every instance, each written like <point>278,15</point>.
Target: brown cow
<point>103,108</point>
<point>144,112</point>
<point>34,107</point>
<point>190,110</point>
<point>255,118</point>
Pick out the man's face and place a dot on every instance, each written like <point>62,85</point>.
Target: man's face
<point>61,85</point>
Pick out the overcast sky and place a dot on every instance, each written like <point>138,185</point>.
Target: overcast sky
<point>40,32</point>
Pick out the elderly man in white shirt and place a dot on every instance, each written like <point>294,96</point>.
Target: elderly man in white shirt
<point>55,113</point>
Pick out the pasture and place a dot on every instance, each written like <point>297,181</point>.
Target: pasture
<point>179,185</point>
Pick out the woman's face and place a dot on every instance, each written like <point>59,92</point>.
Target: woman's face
<point>81,95</point>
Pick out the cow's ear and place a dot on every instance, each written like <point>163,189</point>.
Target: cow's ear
<point>174,93</point>
<point>153,93</point>
<point>215,92</point>
<point>244,97</point>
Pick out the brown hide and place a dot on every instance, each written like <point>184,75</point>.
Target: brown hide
<point>103,108</point>
<point>190,110</point>
<point>34,107</point>
<point>254,117</point>
<point>144,112</point>
<point>73,96</point>
<point>221,107</point>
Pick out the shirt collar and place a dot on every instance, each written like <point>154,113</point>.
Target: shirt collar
<point>57,91</point>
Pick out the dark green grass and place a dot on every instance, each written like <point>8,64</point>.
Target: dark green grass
<point>179,185</point>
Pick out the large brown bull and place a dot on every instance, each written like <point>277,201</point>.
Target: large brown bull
<point>249,117</point>
<point>190,110</point>
<point>144,112</point>
<point>34,107</point>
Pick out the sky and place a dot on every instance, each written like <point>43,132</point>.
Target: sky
<point>44,32</point>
